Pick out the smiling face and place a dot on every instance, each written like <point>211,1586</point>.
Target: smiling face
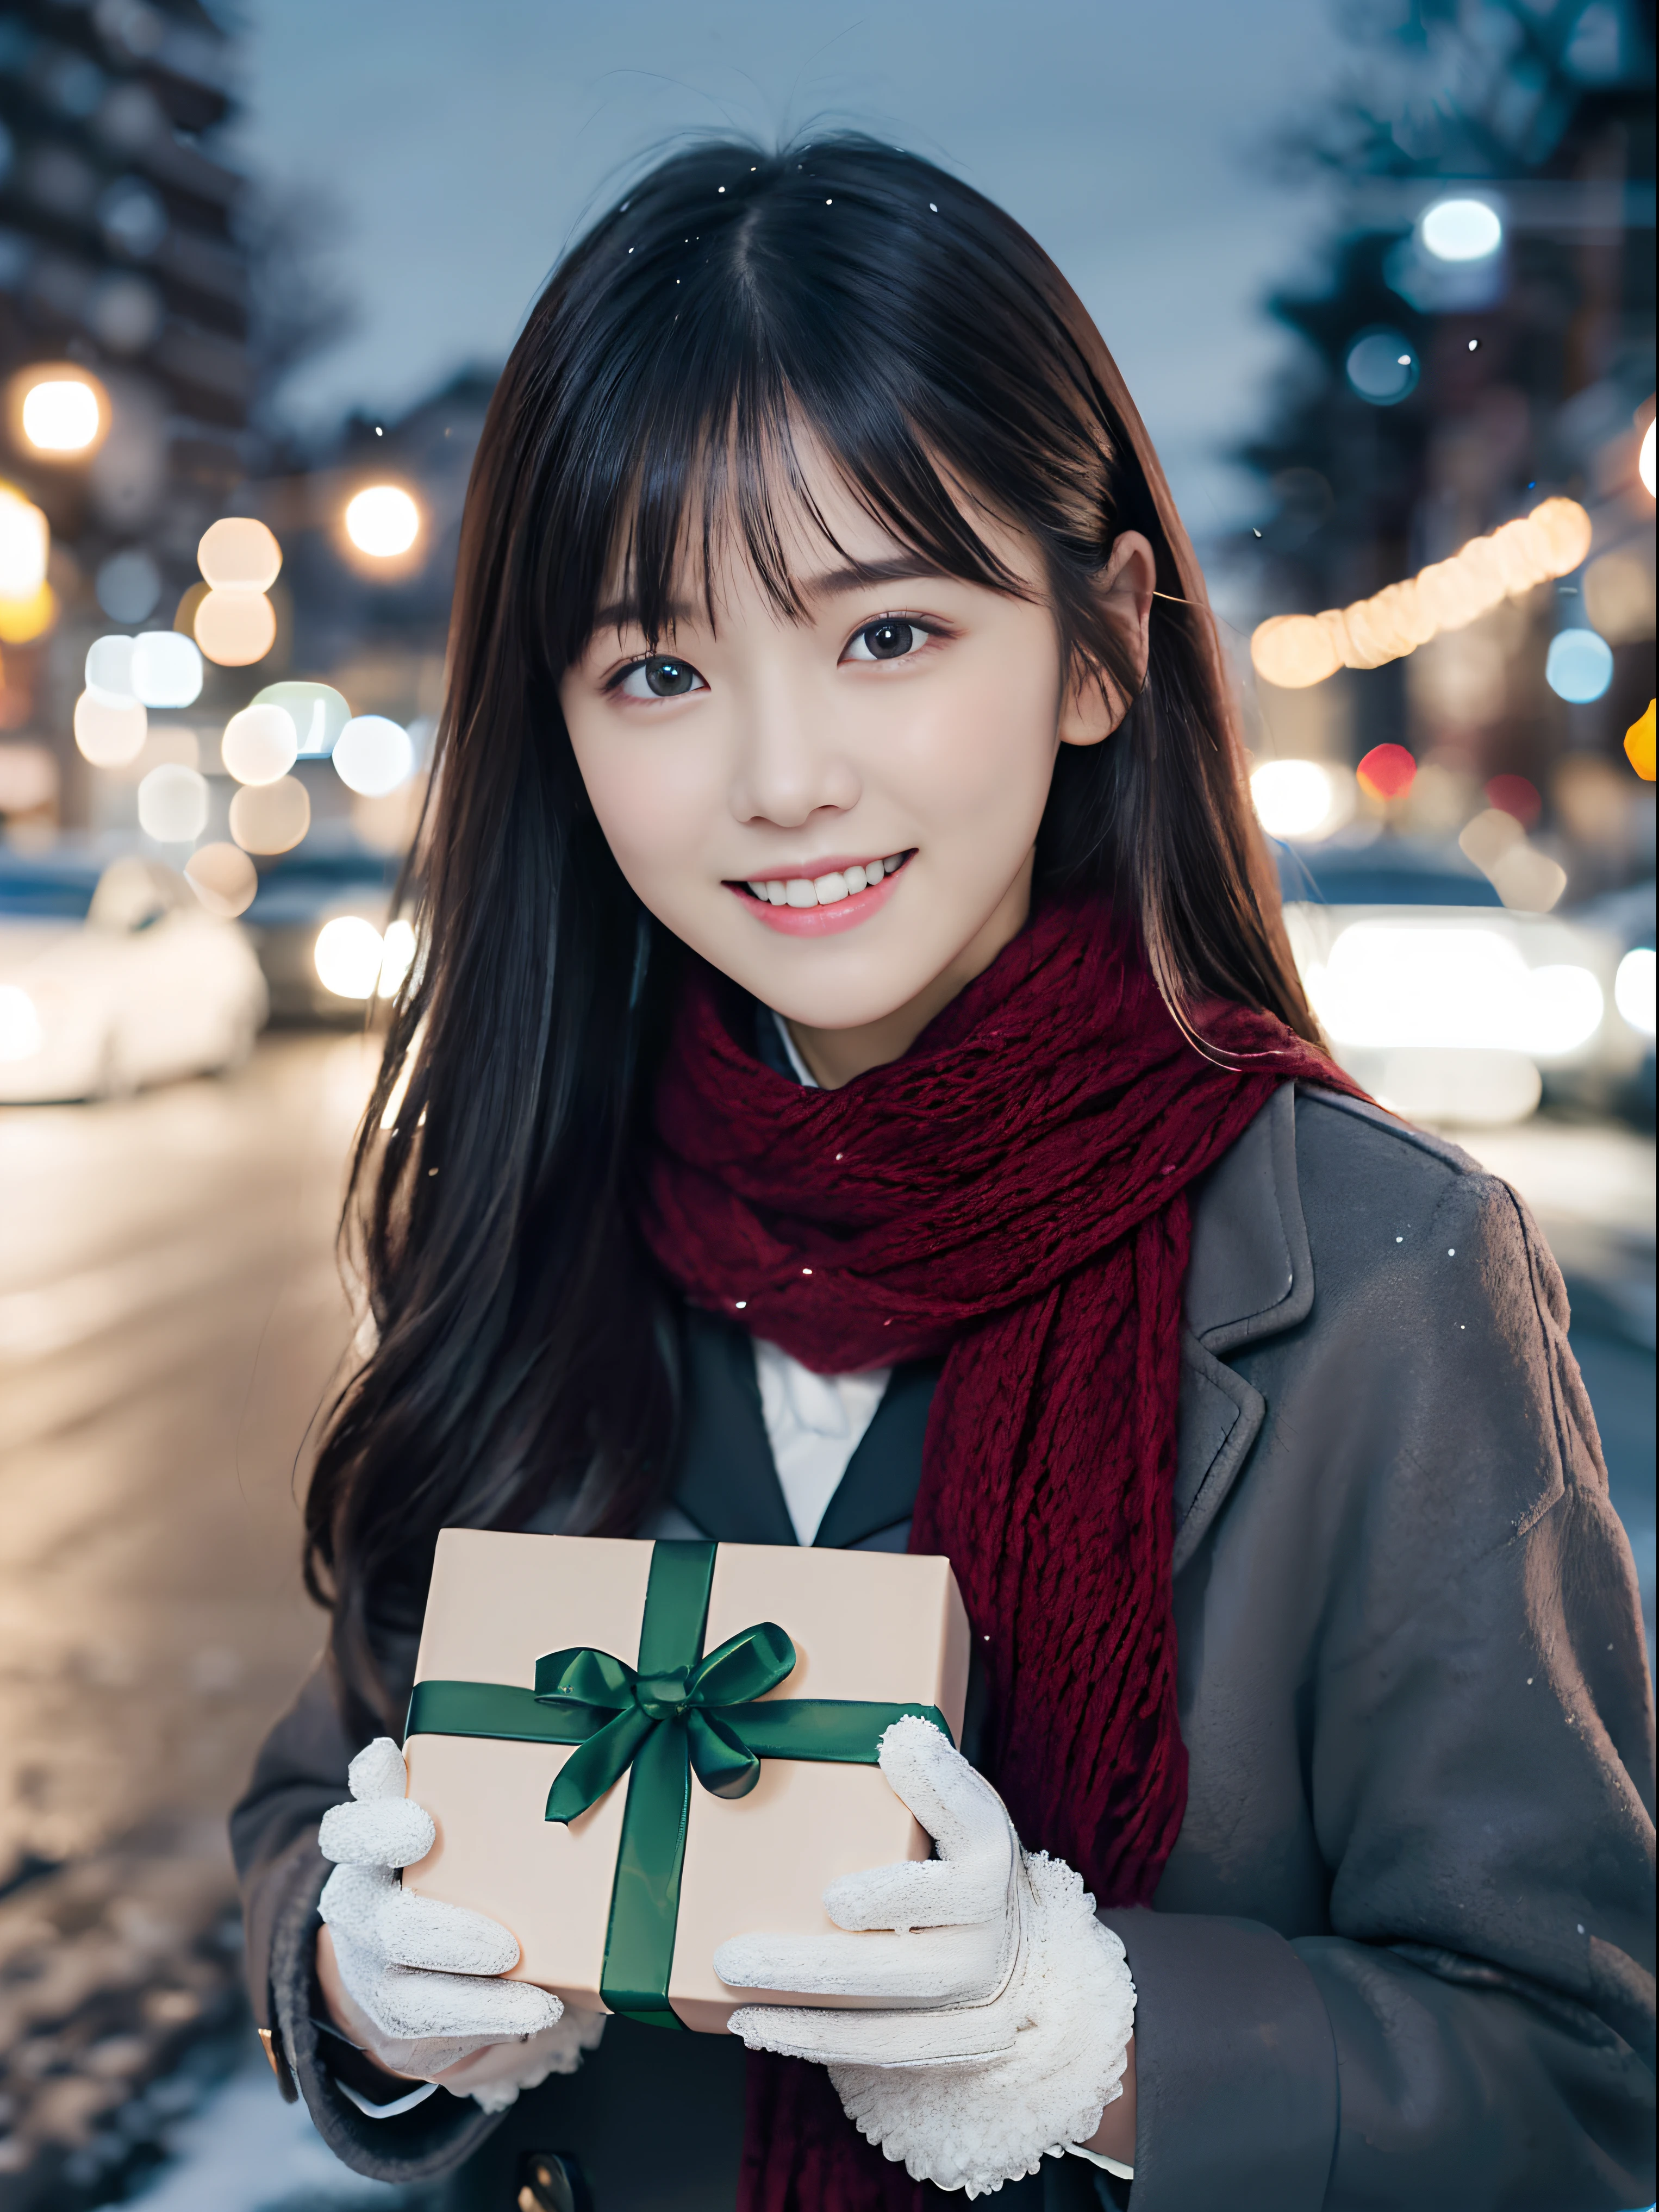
<point>838,811</point>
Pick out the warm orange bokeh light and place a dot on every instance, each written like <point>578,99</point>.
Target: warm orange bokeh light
<point>1639,744</point>
<point>1294,651</point>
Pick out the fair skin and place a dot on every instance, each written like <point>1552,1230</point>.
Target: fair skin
<point>906,716</point>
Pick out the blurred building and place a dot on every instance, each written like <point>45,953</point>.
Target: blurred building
<point>1437,394</point>
<point>119,257</point>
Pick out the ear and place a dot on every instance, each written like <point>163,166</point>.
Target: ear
<point>1094,705</point>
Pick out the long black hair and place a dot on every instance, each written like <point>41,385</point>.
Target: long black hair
<point>734,305</point>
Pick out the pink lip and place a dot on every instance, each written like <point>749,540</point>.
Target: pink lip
<point>820,920</point>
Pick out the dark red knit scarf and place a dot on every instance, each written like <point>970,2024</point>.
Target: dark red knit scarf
<point>1012,1193</point>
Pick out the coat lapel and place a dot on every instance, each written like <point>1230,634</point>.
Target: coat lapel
<point>1251,1276</point>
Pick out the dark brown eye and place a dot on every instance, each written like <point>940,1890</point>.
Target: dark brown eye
<point>668,679</point>
<point>886,641</point>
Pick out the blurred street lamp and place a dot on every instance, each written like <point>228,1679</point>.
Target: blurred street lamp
<point>383,521</point>
<point>58,410</point>
<point>1460,230</point>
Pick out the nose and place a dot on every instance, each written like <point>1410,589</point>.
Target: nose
<point>790,762</point>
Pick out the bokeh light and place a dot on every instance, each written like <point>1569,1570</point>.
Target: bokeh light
<point>1300,798</point>
<point>260,745</point>
<point>348,955</point>
<point>270,817</point>
<point>235,627</point>
<point>129,586</point>
<point>1382,367</point>
<point>21,1033</point>
<point>25,543</point>
<point>62,414</point>
<point>383,521</point>
<point>109,732</point>
<point>167,669</point>
<point>320,713</point>
<point>173,804</point>
<point>1639,744</point>
<point>239,554</point>
<point>1460,230</point>
<point>1387,984</point>
<point>1633,989</point>
<point>1514,795</point>
<point>109,668</point>
<point>1579,667</point>
<point>1294,651</point>
<point>1644,461</point>
<point>1387,772</point>
<point>224,879</point>
<point>21,621</point>
<point>397,958</point>
<point>1618,598</point>
<point>373,755</point>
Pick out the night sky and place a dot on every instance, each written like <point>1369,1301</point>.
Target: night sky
<point>464,145</point>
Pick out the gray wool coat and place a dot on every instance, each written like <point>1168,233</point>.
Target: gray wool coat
<point>1402,1953</point>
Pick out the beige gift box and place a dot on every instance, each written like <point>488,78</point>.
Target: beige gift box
<point>870,1627</point>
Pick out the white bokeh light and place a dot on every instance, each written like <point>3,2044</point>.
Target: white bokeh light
<point>1644,461</point>
<point>398,956</point>
<point>1300,798</point>
<point>1633,989</point>
<point>348,957</point>
<point>1389,984</point>
<point>260,745</point>
<point>1460,230</point>
<point>165,668</point>
<point>61,415</point>
<point>25,545</point>
<point>383,521</point>
<point>373,755</point>
<point>173,804</point>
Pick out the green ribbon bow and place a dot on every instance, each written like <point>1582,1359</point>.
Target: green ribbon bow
<point>675,1714</point>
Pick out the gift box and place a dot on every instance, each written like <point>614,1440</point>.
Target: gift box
<point>633,1751</point>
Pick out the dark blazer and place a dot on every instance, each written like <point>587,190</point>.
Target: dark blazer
<point>1402,1952</point>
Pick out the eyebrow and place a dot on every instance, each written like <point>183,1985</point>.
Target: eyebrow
<point>832,583</point>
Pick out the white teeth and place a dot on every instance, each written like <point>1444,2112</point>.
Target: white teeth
<point>823,890</point>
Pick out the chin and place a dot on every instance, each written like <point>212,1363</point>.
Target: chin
<point>827,1002</point>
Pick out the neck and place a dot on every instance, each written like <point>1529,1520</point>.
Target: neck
<point>836,1056</point>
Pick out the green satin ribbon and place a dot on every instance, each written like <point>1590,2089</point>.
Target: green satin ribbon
<point>676,1714</point>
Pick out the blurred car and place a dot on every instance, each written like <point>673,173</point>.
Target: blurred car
<point>115,977</point>
<point>1445,1004</point>
<point>319,924</point>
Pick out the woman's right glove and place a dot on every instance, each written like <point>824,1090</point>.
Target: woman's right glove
<point>424,1978</point>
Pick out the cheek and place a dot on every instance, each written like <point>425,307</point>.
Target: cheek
<point>982,745</point>
<point>651,797</point>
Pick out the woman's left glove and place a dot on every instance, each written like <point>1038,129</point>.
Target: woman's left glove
<point>1012,2008</point>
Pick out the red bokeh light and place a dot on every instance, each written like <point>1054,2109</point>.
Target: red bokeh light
<point>1387,772</point>
<point>1513,794</point>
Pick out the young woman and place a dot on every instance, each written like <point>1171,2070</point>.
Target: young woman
<point>855,1091</point>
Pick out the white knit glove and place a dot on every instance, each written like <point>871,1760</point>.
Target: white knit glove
<point>424,1978</point>
<point>1017,2004</point>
